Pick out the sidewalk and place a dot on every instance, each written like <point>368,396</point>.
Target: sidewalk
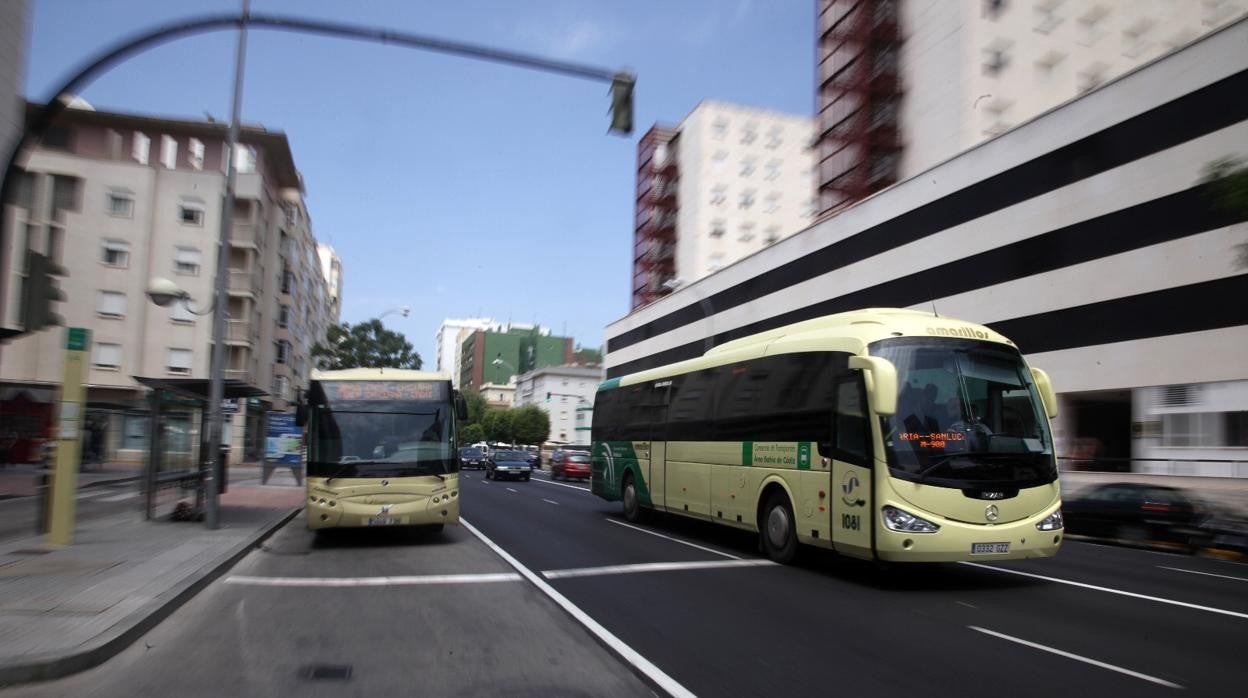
<point>1228,492</point>
<point>65,610</point>
<point>23,480</point>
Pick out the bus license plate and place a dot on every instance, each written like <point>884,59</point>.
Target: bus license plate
<point>989,548</point>
<point>383,521</point>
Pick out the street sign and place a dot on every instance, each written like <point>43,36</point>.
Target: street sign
<point>77,339</point>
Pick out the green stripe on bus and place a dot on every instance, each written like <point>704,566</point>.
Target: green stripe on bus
<point>609,384</point>
<point>747,453</point>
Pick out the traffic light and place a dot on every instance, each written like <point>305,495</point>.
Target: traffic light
<point>547,397</point>
<point>622,103</point>
<point>41,292</point>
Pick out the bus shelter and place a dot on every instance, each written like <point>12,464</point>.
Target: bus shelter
<point>177,457</point>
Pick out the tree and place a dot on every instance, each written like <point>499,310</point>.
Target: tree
<point>365,345</point>
<point>471,434</point>
<point>498,425</point>
<point>476,407</point>
<point>1227,179</point>
<point>532,424</point>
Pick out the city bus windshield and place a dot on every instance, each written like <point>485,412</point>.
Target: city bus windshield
<point>967,414</point>
<point>378,437</point>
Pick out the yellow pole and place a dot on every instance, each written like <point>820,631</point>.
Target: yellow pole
<point>68,438</point>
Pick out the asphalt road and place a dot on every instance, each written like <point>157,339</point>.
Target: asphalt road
<point>687,602</point>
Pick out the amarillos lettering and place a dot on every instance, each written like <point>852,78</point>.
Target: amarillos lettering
<point>957,332</point>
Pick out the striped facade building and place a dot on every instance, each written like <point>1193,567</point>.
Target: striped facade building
<point>1086,234</point>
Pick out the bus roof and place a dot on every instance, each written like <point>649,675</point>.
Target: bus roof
<point>378,374</point>
<point>848,332</point>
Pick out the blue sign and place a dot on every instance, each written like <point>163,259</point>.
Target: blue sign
<point>285,440</point>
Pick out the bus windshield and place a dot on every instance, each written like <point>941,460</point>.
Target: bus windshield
<point>376,438</point>
<point>968,414</point>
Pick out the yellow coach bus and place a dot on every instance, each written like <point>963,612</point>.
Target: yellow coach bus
<point>381,448</point>
<point>883,434</point>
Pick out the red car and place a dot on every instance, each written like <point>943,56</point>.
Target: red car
<point>569,464</point>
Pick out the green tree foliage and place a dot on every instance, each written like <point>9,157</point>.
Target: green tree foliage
<point>476,407</point>
<point>498,425</point>
<point>365,345</point>
<point>471,434</point>
<point>1228,181</point>
<point>532,424</point>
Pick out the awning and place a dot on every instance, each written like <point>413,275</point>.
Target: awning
<point>197,388</point>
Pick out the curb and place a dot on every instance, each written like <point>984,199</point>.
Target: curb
<point>132,627</point>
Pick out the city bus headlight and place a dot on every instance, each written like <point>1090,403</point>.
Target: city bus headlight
<point>904,522</point>
<point>1052,522</point>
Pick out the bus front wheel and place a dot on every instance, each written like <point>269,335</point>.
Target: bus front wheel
<point>632,506</point>
<point>778,530</point>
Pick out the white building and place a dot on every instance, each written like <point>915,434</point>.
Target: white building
<point>499,394</point>
<point>560,390</point>
<point>973,69</point>
<point>1085,235</point>
<point>450,335</point>
<point>331,269</point>
<point>744,181</point>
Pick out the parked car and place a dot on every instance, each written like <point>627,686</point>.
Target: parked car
<point>471,457</point>
<point>1136,513</point>
<point>507,463</point>
<point>567,463</point>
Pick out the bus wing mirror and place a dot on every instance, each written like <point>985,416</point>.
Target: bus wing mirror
<point>301,414</point>
<point>880,376</point>
<point>461,406</point>
<point>1045,387</point>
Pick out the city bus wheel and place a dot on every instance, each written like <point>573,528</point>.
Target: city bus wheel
<point>632,506</point>
<point>777,531</point>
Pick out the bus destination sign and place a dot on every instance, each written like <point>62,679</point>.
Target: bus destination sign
<point>383,390</point>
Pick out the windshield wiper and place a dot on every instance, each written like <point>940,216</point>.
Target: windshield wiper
<point>344,467</point>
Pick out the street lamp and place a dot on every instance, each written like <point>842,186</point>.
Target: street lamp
<point>402,310</point>
<point>498,361</point>
<point>164,293</point>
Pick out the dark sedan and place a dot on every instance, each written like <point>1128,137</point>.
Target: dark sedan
<point>471,457</point>
<point>510,464</point>
<point>1136,514</point>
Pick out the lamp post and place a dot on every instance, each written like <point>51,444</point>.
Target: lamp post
<point>402,310</point>
<point>498,361</point>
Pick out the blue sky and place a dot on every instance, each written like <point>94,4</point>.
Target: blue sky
<point>453,186</point>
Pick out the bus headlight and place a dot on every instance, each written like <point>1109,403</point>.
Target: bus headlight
<point>1052,522</point>
<point>904,522</point>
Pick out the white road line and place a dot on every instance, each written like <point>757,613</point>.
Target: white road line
<point>1207,574</point>
<point>551,501</point>
<point>1132,594</point>
<point>119,497</point>
<point>560,484</point>
<point>510,490</point>
<point>91,494</point>
<point>404,580</point>
<point>617,645</point>
<point>675,540</point>
<point>653,567</point>
<point>1076,657</point>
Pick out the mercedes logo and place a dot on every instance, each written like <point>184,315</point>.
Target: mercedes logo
<point>991,513</point>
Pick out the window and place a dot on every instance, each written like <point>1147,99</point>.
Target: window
<point>1046,16</point>
<point>106,356</point>
<point>186,260</point>
<point>245,159</point>
<point>996,58</point>
<point>280,387</point>
<point>773,202</point>
<point>749,134</point>
<point>140,148</point>
<point>1091,77</point>
<point>134,432</point>
<point>191,213</point>
<point>717,228</point>
<point>748,166</point>
<point>1190,429</point>
<point>113,143</point>
<point>179,361</point>
<point>110,304</point>
<point>283,316</point>
<point>195,154</point>
<point>719,160</point>
<point>773,235</point>
<point>773,139</point>
<point>1046,63</point>
<point>180,313</point>
<point>719,195</point>
<point>120,203</point>
<point>1091,26</point>
<point>747,199</point>
<point>116,253</point>
<point>56,138</point>
<point>1135,41</point>
<point>772,172</point>
<point>747,232</point>
<point>168,152</point>
<point>993,9</point>
<point>65,195</point>
<point>716,263</point>
<point>852,432</point>
<point>1235,426</point>
<point>282,352</point>
<point>719,129</point>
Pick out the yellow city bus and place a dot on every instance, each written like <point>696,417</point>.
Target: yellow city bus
<point>882,434</point>
<point>381,448</point>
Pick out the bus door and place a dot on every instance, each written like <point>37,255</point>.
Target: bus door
<point>850,454</point>
<point>656,479</point>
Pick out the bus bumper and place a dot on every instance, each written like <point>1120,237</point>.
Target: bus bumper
<point>328,512</point>
<point>957,541</point>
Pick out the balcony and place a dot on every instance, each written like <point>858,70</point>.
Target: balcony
<point>238,332</point>
<point>236,374</point>
<point>243,234</point>
<point>242,282</point>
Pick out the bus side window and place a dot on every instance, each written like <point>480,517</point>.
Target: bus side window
<point>852,431</point>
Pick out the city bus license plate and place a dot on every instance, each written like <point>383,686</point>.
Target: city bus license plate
<point>383,521</point>
<point>989,548</point>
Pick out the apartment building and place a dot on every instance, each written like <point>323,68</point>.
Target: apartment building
<point>451,334</point>
<point>331,269</point>
<point>726,182</point>
<point>566,393</point>
<point>903,85</point>
<point>495,355</point>
<point>117,199</point>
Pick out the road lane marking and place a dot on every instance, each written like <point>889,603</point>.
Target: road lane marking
<point>963,603</point>
<point>1132,594</point>
<point>1207,574</point>
<point>403,580</point>
<point>91,495</point>
<point>615,644</point>
<point>675,540</point>
<point>119,497</point>
<point>1076,657</point>
<point>653,567</point>
<point>561,484</point>
<point>551,501</point>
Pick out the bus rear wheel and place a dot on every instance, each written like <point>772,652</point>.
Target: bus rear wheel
<point>777,529</point>
<point>632,505</point>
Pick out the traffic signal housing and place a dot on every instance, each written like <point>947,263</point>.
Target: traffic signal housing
<point>40,292</point>
<point>547,397</point>
<point>622,103</point>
